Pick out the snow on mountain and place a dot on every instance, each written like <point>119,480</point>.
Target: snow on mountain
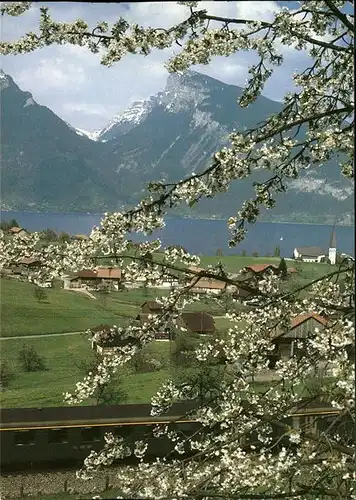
<point>91,135</point>
<point>125,121</point>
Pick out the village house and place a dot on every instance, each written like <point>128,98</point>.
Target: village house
<point>301,328</point>
<point>197,322</point>
<point>109,339</point>
<point>260,269</point>
<point>206,285</point>
<point>18,231</point>
<point>94,279</point>
<point>318,254</point>
<point>151,307</point>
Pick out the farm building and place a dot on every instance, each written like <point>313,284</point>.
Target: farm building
<point>206,285</point>
<point>107,339</point>
<point>94,279</point>
<point>197,322</point>
<point>301,327</point>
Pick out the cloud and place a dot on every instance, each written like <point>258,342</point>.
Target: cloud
<point>88,110</point>
<point>52,74</point>
<point>71,81</point>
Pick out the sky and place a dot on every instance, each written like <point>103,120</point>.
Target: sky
<point>71,81</point>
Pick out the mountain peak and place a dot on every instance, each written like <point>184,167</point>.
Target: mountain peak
<point>5,80</point>
<point>194,79</point>
<point>123,122</point>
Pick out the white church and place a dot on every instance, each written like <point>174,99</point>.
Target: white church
<point>317,254</point>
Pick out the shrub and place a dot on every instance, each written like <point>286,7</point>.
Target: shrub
<point>6,375</point>
<point>30,360</point>
<point>40,293</point>
<point>183,349</point>
<point>143,362</point>
<point>111,393</point>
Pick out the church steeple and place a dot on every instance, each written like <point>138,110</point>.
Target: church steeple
<point>332,246</point>
<point>332,242</point>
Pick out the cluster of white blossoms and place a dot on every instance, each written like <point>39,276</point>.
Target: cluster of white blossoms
<point>315,126</point>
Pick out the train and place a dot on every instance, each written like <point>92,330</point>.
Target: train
<point>62,437</point>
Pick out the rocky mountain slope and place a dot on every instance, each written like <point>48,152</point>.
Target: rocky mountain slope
<point>177,131</point>
<point>169,135</point>
<point>45,165</point>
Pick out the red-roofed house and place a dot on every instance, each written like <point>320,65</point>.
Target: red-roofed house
<point>261,268</point>
<point>205,285</point>
<point>301,328</point>
<point>94,279</point>
<point>18,231</point>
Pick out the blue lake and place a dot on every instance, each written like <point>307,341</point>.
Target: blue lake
<point>201,236</point>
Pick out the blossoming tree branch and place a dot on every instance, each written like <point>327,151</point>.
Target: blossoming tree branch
<point>314,126</point>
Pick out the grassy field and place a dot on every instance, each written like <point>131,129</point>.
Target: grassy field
<point>67,311</point>
<point>234,263</point>
<point>61,356</point>
<point>63,310</point>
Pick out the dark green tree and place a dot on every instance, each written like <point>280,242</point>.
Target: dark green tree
<point>277,252</point>
<point>254,254</point>
<point>30,360</point>
<point>282,268</point>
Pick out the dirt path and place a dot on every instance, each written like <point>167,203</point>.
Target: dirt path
<point>39,335</point>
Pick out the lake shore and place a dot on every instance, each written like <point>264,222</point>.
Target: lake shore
<point>197,218</point>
